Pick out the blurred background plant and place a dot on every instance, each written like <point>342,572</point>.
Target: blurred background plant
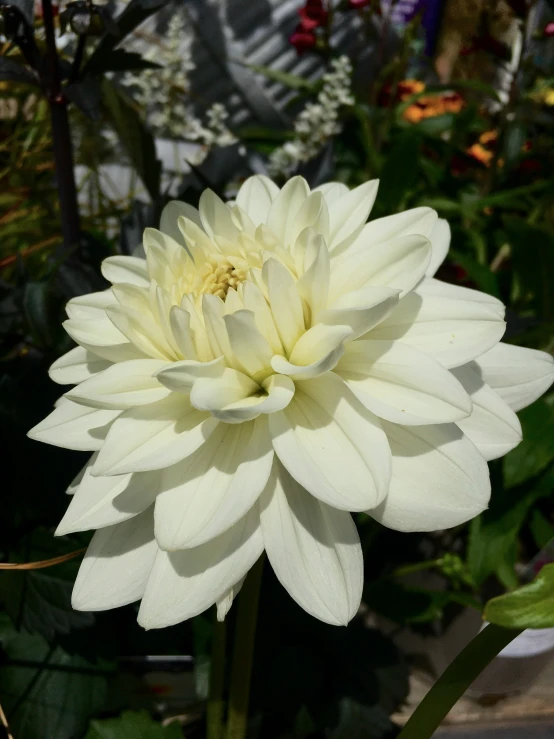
<point>452,106</point>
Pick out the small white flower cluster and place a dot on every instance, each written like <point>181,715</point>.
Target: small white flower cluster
<point>162,93</point>
<point>318,122</point>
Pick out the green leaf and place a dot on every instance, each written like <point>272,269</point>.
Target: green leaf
<point>47,692</point>
<point>400,171</point>
<point>134,137</point>
<point>293,81</point>
<point>528,607</point>
<point>536,451</point>
<point>455,680</point>
<point>494,535</point>
<point>532,256</point>
<point>542,530</point>
<point>41,603</point>
<point>40,313</point>
<point>133,725</point>
<point>132,16</point>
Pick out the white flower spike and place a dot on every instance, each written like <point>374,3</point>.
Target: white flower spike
<point>271,366</point>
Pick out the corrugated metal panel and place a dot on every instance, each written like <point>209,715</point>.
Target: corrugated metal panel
<point>234,33</point>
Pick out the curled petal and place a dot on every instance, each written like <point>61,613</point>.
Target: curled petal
<point>181,376</point>
<point>361,309</point>
<point>316,352</point>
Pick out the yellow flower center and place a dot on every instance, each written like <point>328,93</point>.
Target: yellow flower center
<point>216,276</point>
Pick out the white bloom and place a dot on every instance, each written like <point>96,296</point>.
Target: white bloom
<point>318,122</point>
<point>272,365</point>
<point>162,93</point>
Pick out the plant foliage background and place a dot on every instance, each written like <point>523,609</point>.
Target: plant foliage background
<point>480,152</point>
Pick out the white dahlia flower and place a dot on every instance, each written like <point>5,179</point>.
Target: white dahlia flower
<point>273,364</point>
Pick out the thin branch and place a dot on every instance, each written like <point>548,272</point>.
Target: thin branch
<point>41,564</point>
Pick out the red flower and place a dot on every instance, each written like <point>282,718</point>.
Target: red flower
<point>302,39</point>
<point>312,15</point>
<point>549,29</point>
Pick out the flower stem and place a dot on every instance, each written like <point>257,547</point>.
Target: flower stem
<point>455,680</point>
<point>245,634</point>
<point>217,681</point>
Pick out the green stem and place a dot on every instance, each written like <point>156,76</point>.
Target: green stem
<point>217,681</point>
<point>243,653</point>
<point>455,680</point>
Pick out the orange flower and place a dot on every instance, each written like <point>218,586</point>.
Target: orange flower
<point>478,152</point>
<point>406,88</point>
<point>489,137</point>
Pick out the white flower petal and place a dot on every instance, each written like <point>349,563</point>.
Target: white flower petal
<point>179,321</point>
<point>105,501</point>
<point>77,365</point>
<point>256,196</point>
<point>348,214</point>
<point>517,374</point>
<point>101,337</point>
<point>316,352</point>
<point>123,385</point>
<point>212,489</point>
<point>154,436</point>
<point>440,243</point>
<point>185,583</point>
<point>181,376</point>
<point>492,426</point>
<point>325,431</point>
<point>314,550</point>
<point>313,286</point>
<point>439,479</point>
<point>400,264</point>
<point>430,287</point>
<point>452,331</point>
<point>215,393</point>
<point>285,303</point>
<point>213,310</point>
<point>312,214</point>
<point>169,219</point>
<point>116,565</point>
<point>250,348</point>
<point>332,191</point>
<point>401,384</point>
<point>74,426</point>
<point>233,397</point>
<point>141,330</point>
<point>254,300</point>
<point>224,604</point>
<point>126,269</point>
<point>216,216</point>
<point>415,221</point>
<point>284,208</point>
<point>90,306</point>
<point>361,309</point>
